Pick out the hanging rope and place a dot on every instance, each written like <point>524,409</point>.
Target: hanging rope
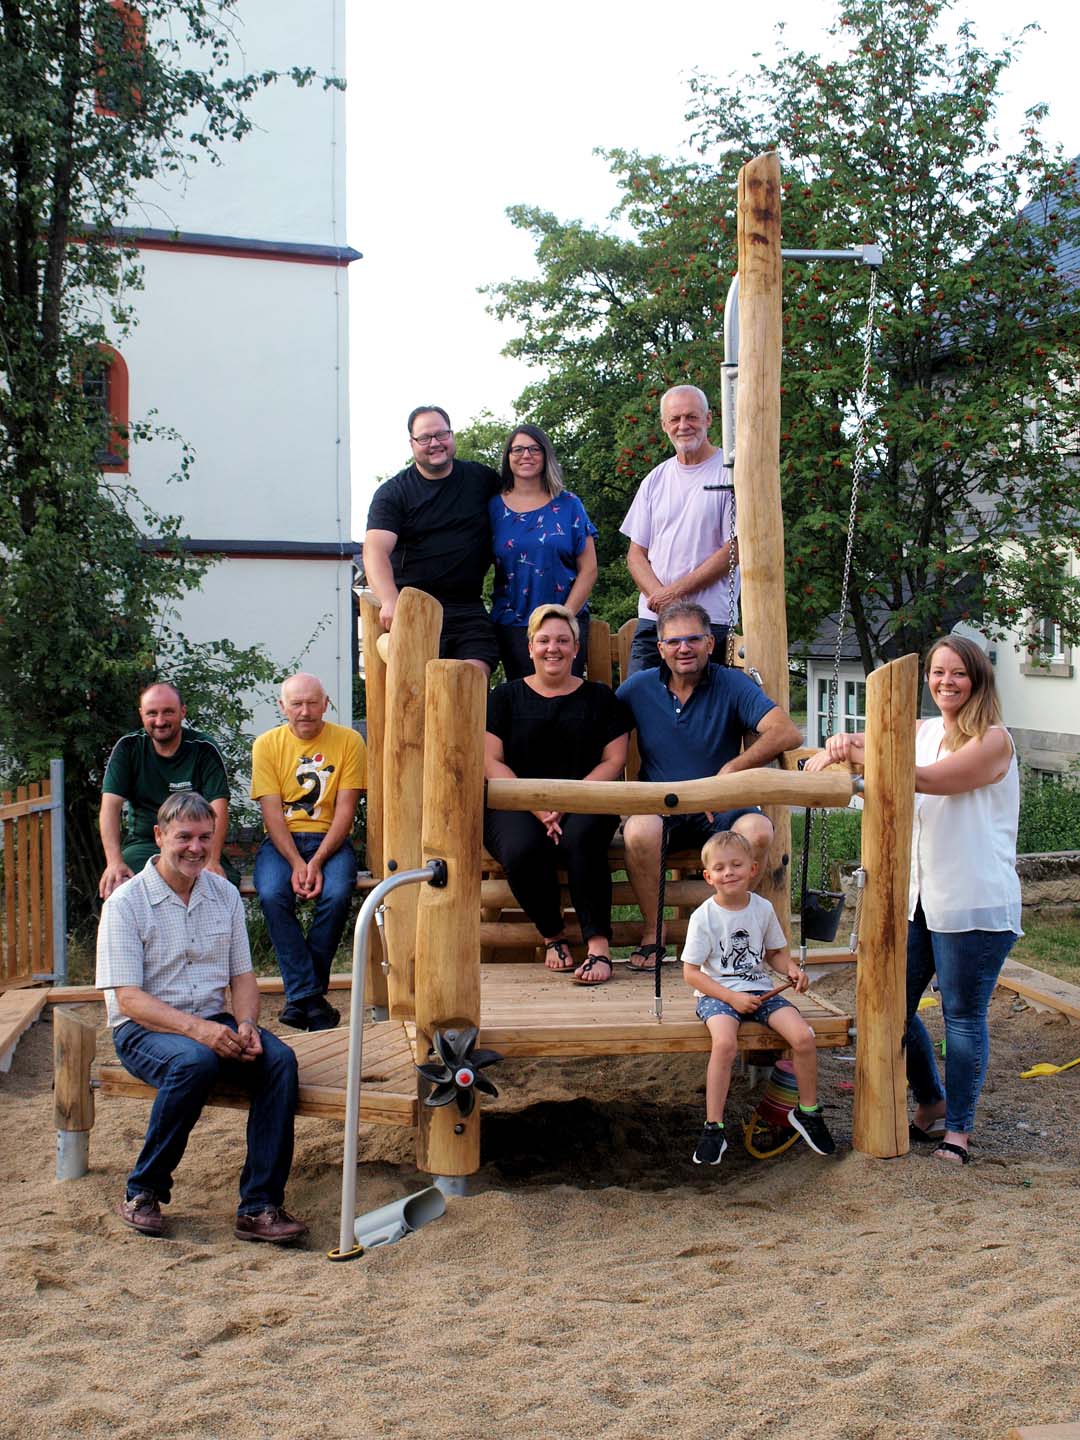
<point>658,998</point>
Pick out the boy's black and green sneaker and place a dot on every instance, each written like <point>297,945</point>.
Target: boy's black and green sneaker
<point>811,1126</point>
<point>711,1146</point>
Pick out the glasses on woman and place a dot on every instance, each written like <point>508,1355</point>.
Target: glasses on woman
<point>526,450</point>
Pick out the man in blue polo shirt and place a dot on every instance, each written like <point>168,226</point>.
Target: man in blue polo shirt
<point>691,716</point>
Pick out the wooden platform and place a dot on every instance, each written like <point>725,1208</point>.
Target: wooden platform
<point>388,1085</point>
<point>530,1011</point>
<point>18,1010</point>
<point>527,1011</point>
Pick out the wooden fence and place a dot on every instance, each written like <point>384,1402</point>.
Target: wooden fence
<point>35,913</point>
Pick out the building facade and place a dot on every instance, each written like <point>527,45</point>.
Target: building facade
<point>241,348</point>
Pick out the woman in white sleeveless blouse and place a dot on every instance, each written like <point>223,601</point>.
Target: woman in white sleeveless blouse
<point>964,901</point>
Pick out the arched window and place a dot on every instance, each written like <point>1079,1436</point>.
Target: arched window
<point>105,386</point>
<point>120,42</point>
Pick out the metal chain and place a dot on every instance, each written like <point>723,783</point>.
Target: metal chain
<point>857,464</point>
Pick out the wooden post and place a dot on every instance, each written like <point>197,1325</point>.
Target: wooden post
<point>74,1044</point>
<point>880,1125</point>
<point>375,989</point>
<point>414,640</point>
<point>448,920</point>
<point>375,706</point>
<point>598,660</point>
<point>760,521</point>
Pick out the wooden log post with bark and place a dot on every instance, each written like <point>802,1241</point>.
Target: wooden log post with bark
<point>448,919</point>
<point>414,640</point>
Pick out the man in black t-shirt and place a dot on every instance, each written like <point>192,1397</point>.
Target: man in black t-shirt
<point>428,527</point>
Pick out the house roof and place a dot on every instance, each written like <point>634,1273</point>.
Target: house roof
<point>1039,210</point>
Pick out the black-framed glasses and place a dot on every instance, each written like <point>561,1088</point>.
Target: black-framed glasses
<point>674,641</point>
<point>440,437</point>
<point>526,449</point>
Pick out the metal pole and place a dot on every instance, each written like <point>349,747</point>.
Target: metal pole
<point>346,1237</point>
<point>729,371</point>
<point>59,878</point>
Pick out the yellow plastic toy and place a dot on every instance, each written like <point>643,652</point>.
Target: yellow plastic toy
<point>1047,1069</point>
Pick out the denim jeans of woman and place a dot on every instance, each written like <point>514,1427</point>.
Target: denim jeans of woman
<point>967,964</point>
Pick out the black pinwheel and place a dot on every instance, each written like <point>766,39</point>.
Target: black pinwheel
<point>455,1075</point>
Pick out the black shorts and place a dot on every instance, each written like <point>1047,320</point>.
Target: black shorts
<point>689,832</point>
<point>468,634</point>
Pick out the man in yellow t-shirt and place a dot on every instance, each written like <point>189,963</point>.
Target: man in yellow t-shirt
<point>307,776</point>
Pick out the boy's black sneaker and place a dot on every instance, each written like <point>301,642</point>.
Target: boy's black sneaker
<point>711,1146</point>
<point>811,1126</point>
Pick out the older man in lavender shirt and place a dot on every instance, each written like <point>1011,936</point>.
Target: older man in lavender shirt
<point>679,528</point>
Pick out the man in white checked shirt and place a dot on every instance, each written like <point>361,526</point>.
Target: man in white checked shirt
<point>171,939</point>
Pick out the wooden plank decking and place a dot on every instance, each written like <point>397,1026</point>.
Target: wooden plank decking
<point>18,1010</point>
<point>530,1011</point>
<point>388,1087</point>
<point>527,1011</point>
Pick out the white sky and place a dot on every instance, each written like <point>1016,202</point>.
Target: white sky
<point>457,112</point>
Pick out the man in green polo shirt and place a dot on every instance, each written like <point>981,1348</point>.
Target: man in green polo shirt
<point>144,769</point>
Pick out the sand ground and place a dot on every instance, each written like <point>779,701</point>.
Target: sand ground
<point>595,1284</point>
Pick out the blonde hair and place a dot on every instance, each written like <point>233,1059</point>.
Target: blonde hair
<point>982,709</point>
<point>723,840</point>
<point>556,612</point>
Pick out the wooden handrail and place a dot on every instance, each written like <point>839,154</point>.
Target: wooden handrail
<point>682,797</point>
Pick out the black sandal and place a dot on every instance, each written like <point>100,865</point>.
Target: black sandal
<point>566,960</point>
<point>654,954</point>
<point>582,977</point>
<point>948,1148</point>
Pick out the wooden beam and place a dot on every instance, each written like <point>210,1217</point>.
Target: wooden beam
<point>89,994</point>
<point>448,919</point>
<point>1040,988</point>
<point>760,519</point>
<point>516,934</point>
<point>880,1115</point>
<point>683,797</point>
<point>496,894</point>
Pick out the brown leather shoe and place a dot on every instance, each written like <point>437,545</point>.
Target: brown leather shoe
<point>143,1214</point>
<point>273,1224</point>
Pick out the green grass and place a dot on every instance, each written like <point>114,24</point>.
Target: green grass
<point>1051,944</point>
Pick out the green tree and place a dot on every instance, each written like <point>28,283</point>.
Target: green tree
<point>95,99</point>
<point>976,383</point>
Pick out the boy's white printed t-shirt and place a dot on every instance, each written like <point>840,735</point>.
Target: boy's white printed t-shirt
<point>729,945</point>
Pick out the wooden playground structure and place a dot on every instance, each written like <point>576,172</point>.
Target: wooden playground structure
<point>442,969</point>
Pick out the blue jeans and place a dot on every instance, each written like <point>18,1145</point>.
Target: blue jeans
<point>305,962</point>
<point>184,1071</point>
<point>968,964</point>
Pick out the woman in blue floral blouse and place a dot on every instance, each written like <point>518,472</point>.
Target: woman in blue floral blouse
<point>545,551</point>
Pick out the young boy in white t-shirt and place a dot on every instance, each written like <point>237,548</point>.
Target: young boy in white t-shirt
<point>730,940</point>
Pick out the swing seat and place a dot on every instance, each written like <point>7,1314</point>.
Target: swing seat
<point>821,914</point>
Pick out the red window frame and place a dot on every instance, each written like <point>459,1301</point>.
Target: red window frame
<point>134,43</point>
<point>115,374</point>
